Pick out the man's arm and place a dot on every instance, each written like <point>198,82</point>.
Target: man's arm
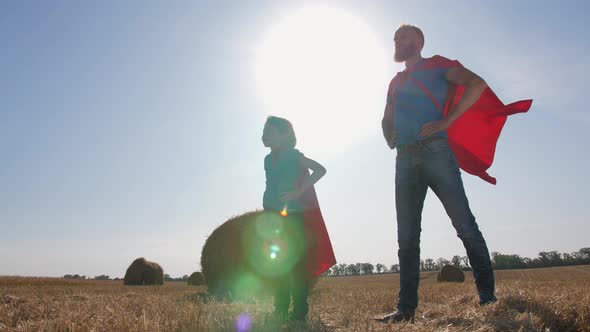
<point>387,125</point>
<point>474,87</point>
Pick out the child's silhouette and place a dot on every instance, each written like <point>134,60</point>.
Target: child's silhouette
<point>290,193</point>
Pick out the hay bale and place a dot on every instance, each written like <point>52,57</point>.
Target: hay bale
<point>144,272</point>
<point>248,254</point>
<point>196,279</point>
<point>450,273</point>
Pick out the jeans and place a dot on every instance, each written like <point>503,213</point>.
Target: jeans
<point>418,167</point>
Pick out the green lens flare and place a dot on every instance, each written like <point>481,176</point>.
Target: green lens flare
<point>270,235</point>
<point>268,225</point>
<point>246,285</point>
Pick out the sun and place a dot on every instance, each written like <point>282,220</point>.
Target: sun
<point>324,70</point>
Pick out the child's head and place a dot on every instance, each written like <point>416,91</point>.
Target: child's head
<point>278,133</point>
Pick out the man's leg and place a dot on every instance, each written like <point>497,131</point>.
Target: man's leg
<point>410,192</point>
<point>445,180</point>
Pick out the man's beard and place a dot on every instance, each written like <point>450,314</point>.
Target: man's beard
<point>404,53</point>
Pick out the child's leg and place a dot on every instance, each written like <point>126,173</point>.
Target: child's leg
<point>300,279</point>
<point>282,297</point>
<point>300,296</point>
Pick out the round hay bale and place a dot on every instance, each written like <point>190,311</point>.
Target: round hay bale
<point>196,279</point>
<point>248,254</point>
<point>450,273</point>
<point>144,272</point>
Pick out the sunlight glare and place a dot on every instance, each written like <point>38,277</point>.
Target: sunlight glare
<point>324,69</point>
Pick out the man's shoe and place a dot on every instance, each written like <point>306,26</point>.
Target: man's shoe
<point>397,317</point>
<point>483,301</point>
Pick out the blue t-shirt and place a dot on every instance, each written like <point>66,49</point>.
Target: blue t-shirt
<point>413,108</point>
<point>282,175</point>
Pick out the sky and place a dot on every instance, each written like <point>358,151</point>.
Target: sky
<point>132,129</point>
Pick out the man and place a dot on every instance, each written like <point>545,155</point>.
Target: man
<point>423,101</point>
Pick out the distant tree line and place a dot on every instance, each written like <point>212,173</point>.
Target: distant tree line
<point>100,277</point>
<point>167,277</point>
<point>545,259</point>
<point>499,262</point>
<point>184,278</point>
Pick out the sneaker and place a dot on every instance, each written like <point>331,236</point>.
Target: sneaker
<point>396,317</point>
<point>280,316</point>
<point>294,325</point>
<point>296,317</point>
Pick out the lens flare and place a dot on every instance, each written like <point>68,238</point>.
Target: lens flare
<point>274,251</point>
<point>268,225</point>
<point>274,244</point>
<point>243,323</point>
<point>246,285</point>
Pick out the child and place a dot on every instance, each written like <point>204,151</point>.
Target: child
<point>290,193</point>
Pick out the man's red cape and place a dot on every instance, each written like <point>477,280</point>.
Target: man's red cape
<point>319,253</point>
<point>473,136</point>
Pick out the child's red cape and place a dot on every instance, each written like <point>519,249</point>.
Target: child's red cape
<point>474,135</point>
<point>319,254</point>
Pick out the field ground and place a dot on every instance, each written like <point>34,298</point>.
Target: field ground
<point>550,299</point>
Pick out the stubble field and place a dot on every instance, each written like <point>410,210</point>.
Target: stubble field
<point>551,299</point>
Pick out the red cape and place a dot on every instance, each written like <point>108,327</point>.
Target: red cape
<point>473,136</point>
<point>319,254</point>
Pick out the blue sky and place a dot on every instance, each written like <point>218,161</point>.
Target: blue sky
<point>133,129</point>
